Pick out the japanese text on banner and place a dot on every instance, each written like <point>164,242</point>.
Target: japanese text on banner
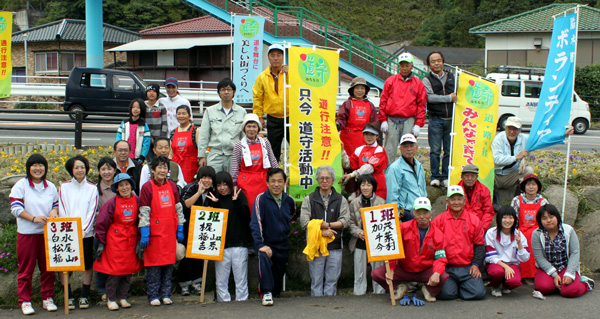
<point>314,139</point>
<point>247,55</point>
<point>64,243</point>
<point>475,119</point>
<point>5,58</point>
<point>206,237</point>
<point>382,232</point>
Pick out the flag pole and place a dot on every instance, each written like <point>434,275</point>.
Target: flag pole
<point>452,133</point>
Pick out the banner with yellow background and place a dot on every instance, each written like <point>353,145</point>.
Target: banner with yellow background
<point>5,59</point>
<point>475,119</point>
<point>314,139</point>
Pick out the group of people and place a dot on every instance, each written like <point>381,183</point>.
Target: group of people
<point>136,214</point>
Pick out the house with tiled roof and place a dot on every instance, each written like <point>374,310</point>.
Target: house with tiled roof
<point>524,39</point>
<point>54,49</point>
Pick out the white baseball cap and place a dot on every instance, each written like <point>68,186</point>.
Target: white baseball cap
<point>275,47</point>
<point>422,203</point>
<point>406,57</point>
<point>455,189</point>
<point>408,137</point>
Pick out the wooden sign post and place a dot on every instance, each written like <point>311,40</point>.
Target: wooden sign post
<point>382,236</point>
<point>206,237</point>
<point>64,245</point>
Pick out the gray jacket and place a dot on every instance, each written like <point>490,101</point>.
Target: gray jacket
<point>219,131</point>
<point>538,244</point>
<point>356,219</point>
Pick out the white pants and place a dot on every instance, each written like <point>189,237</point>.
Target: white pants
<point>360,273</point>
<point>393,135</point>
<point>324,273</point>
<point>235,258</point>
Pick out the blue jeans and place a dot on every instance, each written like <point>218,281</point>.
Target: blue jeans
<point>439,135</point>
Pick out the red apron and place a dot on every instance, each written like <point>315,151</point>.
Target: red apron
<point>119,257</point>
<point>163,227</point>
<point>363,158</point>
<point>527,224</point>
<point>185,153</point>
<point>351,135</point>
<point>253,179</point>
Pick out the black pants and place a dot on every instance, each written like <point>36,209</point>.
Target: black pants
<point>275,134</point>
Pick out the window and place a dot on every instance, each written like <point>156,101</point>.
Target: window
<point>146,58</point>
<point>46,62</point>
<point>533,89</point>
<point>123,83</point>
<point>93,80</point>
<point>511,88</point>
<point>69,60</point>
<point>18,75</point>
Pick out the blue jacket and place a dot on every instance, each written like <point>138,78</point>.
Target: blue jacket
<point>501,152</point>
<point>404,186</point>
<point>270,224</point>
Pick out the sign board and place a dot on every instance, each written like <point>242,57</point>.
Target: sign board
<point>206,237</point>
<point>247,54</point>
<point>64,244</point>
<point>382,232</point>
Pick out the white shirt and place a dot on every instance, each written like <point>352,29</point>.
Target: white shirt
<point>79,200</point>
<point>171,105</point>
<point>505,248</point>
<point>36,199</point>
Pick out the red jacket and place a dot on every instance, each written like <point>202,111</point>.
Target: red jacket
<point>403,99</point>
<point>375,156</point>
<point>417,258</point>
<point>461,235</point>
<point>480,204</point>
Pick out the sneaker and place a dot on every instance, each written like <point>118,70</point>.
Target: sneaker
<point>83,303</point>
<point>400,291</point>
<point>27,308</point>
<point>589,281</point>
<point>196,289</point>
<point>49,305</point>
<point>267,299</point>
<point>155,302</point>
<point>185,291</point>
<point>428,297</point>
<point>103,297</point>
<point>496,292</point>
<point>167,301</point>
<point>112,306</point>
<point>71,304</point>
<point>446,183</point>
<point>435,183</point>
<point>124,303</point>
<point>538,295</point>
<point>506,291</point>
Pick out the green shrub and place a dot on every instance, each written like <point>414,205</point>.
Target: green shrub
<point>8,248</point>
<point>35,106</point>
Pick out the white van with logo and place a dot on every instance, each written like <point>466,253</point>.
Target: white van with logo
<point>519,96</point>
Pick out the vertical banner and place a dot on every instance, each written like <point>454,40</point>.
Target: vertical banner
<point>554,108</point>
<point>247,54</point>
<point>206,237</point>
<point>382,232</point>
<point>475,120</point>
<point>5,59</point>
<point>64,244</point>
<point>314,139</point>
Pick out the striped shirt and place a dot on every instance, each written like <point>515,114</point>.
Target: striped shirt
<point>156,119</point>
<point>237,157</point>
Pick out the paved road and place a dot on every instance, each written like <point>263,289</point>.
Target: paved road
<point>585,143</point>
<point>519,304</point>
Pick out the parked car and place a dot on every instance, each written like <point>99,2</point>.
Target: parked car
<point>102,90</point>
<point>519,96</point>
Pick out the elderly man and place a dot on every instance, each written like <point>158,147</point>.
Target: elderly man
<point>121,151</point>
<point>402,106</point>
<point>267,96</point>
<point>440,105</point>
<point>270,226</point>
<point>424,257</point>
<point>330,206</point>
<point>478,198</point>
<point>406,178</point>
<point>162,147</point>
<point>465,249</point>
<point>221,128</point>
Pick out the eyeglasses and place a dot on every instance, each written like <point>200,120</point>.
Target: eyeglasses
<point>122,150</point>
<point>226,90</point>
<point>324,178</point>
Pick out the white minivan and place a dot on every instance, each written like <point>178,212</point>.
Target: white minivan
<point>519,96</point>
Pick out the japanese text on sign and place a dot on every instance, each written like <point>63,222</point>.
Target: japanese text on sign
<point>206,237</point>
<point>382,232</point>
<point>64,244</point>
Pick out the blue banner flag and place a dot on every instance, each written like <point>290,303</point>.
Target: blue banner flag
<point>554,108</point>
<point>247,55</point>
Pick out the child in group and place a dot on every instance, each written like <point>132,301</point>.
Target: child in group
<point>237,239</point>
<point>367,198</point>
<point>556,249</point>
<point>161,215</point>
<point>526,205</point>
<point>135,131</point>
<point>505,248</point>
<point>156,116</point>
<point>79,198</point>
<point>117,232</point>
<point>32,200</point>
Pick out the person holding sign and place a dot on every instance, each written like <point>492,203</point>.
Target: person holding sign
<point>79,198</point>
<point>117,232</point>
<point>367,198</point>
<point>32,200</point>
<point>332,208</point>
<point>465,250</point>
<point>424,261</point>
<point>161,226</point>
<point>406,178</point>
<point>270,225</point>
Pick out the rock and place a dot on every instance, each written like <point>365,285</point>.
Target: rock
<point>438,206</point>
<point>554,195</point>
<point>589,240</point>
<point>433,193</point>
<point>6,216</point>
<point>591,194</point>
<point>10,181</point>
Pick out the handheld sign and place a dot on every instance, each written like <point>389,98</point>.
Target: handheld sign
<point>64,244</point>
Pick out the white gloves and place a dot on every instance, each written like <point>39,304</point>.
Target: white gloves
<point>416,130</point>
<point>384,127</point>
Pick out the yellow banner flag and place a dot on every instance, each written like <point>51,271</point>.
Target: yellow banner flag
<point>5,59</point>
<point>475,119</point>
<point>314,139</point>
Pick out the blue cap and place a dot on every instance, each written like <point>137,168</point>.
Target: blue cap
<point>172,81</point>
<point>119,178</point>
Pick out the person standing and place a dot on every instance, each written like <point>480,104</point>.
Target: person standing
<point>156,117</point>
<point>479,200</point>
<point>268,98</point>
<point>162,147</point>
<point>121,150</point>
<point>135,131</point>
<point>221,129</point>
<point>172,101</point>
<point>184,143</point>
<point>402,106</point>
<point>439,85</point>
